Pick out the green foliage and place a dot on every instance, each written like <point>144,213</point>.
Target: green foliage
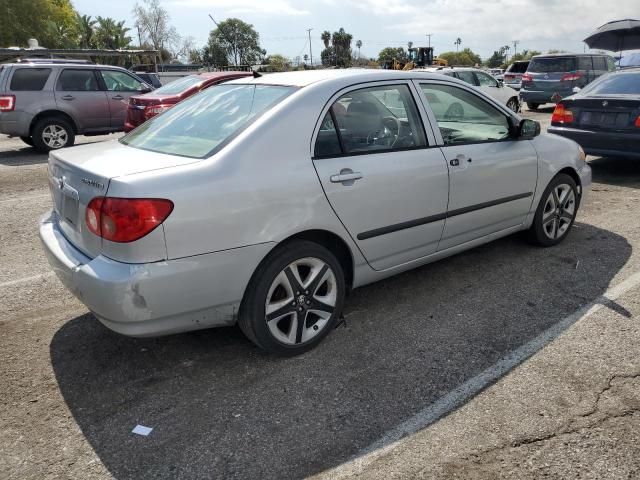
<point>276,63</point>
<point>389,54</point>
<point>466,58</point>
<point>214,54</point>
<point>338,53</point>
<point>86,28</point>
<point>238,40</point>
<point>111,34</point>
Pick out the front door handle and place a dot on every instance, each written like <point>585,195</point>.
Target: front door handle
<point>346,177</point>
<point>118,97</point>
<point>68,97</point>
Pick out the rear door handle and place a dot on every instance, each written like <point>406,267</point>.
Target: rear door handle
<point>346,177</point>
<point>118,97</point>
<point>68,97</point>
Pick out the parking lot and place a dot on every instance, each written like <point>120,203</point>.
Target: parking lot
<point>221,408</point>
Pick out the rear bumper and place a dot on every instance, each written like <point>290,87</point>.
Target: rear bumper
<point>542,96</point>
<point>154,298</point>
<point>15,123</point>
<point>603,144</point>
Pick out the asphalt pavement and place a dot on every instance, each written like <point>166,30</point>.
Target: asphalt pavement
<point>221,408</point>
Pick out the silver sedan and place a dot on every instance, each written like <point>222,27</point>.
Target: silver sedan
<point>263,201</point>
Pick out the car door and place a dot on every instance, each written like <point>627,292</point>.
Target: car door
<point>78,94</point>
<point>120,86</point>
<point>492,175</point>
<point>491,87</point>
<point>382,173</point>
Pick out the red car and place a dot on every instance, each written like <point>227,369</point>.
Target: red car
<point>142,107</point>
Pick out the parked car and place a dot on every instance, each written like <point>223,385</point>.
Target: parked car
<point>497,73</point>
<point>486,83</point>
<point>149,78</point>
<point>48,104</point>
<point>513,74</point>
<point>142,107</point>
<point>550,78</point>
<point>264,200</point>
<point>604,117</point>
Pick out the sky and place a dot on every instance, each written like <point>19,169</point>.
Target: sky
<point>483,26</point>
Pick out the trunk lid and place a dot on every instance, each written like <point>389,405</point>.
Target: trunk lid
<point>79,174</point>
<point>605,113</point>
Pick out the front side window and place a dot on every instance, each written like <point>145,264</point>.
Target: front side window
<point>202,124</point>
<point>120,81</point>
<point>373,119</point>
<point>464,117</point>
<point>73,80</point>
<point>611,64</point>
<point>486,80</point>
<point>29,79</point>
<point>466,76</point>
<point>585,63</point>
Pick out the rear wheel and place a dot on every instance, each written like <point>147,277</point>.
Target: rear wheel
<point>52,133</point>
<point>556,212</point>
<point>532,106</point>
<point>27,140</point>
<point>294,299</point>
<point>513,104</point>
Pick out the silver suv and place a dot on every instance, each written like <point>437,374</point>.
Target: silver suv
<point>48,104</point>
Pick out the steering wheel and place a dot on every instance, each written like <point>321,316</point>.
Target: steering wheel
<point>454,112</point>
<point>394,125</point>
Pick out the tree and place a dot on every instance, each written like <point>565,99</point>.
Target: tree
<point>326,38</point>
<point>457,43</point>
<point>389,54</point>
<point>111,34</point>
<point>506,49</point>
<point>214,54</point>
<point>409,45</point>
<point>278,63</point>
<point>359,46</point>
<point>239,41</point>
<point>305,58</point>
<point>466,57</point>
<point>152,22</point>
<point>339,52</point>
<point>183,48</point>
<point>86,28</point>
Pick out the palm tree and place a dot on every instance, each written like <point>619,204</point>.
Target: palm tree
<point>325,37</point>
<point>86,27</point>
<point>359,45</point>
<point>457,43</point>
<point>409,45</point>
<point>506,50</point>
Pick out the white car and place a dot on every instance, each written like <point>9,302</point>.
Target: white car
<point>485,82</point>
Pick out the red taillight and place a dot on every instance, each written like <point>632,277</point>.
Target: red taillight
<point>571,77</point>
<point>637,124</point>
<point>125,220</point>
<point>7,103</point>
<point>527,78</point>
<point>153,110</point>
<point>561,114</point>
<point>509,77</point>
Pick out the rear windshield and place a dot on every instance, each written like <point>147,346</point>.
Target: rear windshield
<point>29,79</point>
<point>615,84</point>
<point>204,123</point>
<point>552,64</point>
<point>519,67</point>
<point>180,85</point>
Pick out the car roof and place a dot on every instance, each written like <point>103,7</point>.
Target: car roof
<point>227,74</point>
<point>352,75</point>
<point>551,55</point>
<point>61,65</point>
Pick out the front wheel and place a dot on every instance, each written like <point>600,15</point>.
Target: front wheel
<point>294,299</point>
<point>52,133</point>
<point>556,212</point>
<point>513,104</point>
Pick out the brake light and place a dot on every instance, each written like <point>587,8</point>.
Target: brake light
<point>637,122</point>
<point>125,220</point>
<point>571,77</point>
<point>527,78</point>
<point>7,103</point>
<point>153,110</point>
<point>509,77</point>
<point>561,114</point>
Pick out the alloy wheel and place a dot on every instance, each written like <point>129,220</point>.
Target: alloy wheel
<point>559,211</point>
<point>301,301</point>
<point>513,105</point>
<point>55,136</point>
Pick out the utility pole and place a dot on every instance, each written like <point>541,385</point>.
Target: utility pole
<point>428,35</point>
<point>515,47</point>
<point>310,52</point>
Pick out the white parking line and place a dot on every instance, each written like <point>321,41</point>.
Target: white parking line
<point>475,385</point>
<point>25,279</point>
<point>25,198</point>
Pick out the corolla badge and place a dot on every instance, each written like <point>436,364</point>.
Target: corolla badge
<point>93,183</point>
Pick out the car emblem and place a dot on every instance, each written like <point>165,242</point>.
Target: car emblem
<point>92,183</point>
<point>546,77</point>
<point>605,103</point>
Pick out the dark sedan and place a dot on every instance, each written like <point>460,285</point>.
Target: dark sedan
<point>604,118</point>
<point>142,107</point>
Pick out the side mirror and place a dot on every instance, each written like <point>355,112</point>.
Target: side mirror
<point>144,88</point>
<point>576,89</point>
<point>528,129</point>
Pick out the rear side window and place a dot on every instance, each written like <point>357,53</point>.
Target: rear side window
<point>73,80</point>
<point>486,80</point>
<point>585,63</point>
<point>518,67</point>
<point>466,76</point>
<point>599,63</point>
<point>553,64</point>
<point>29,79</point>
<point>611,64</point>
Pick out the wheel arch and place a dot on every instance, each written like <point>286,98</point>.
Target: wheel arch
<point>573,174</point>
<point>52,113</point>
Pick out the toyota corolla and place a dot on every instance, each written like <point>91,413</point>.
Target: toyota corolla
<point>263,201</point>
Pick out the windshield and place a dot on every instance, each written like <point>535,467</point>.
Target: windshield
<point>518,67</point>
<point>552,64</point>
<point>616,84</point>
<point>179,85</point>
<point>200,125</point>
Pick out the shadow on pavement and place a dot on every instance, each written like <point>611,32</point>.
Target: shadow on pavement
<point>220,408</point>
<point>24,156</point>
<point>623,172</point>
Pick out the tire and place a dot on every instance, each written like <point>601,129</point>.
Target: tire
<point>551,224</point>
<point>27,140</point>
<point>513,105</point>
<point>292,298</point>
<point>59,131</point>
<point>532,106</point>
